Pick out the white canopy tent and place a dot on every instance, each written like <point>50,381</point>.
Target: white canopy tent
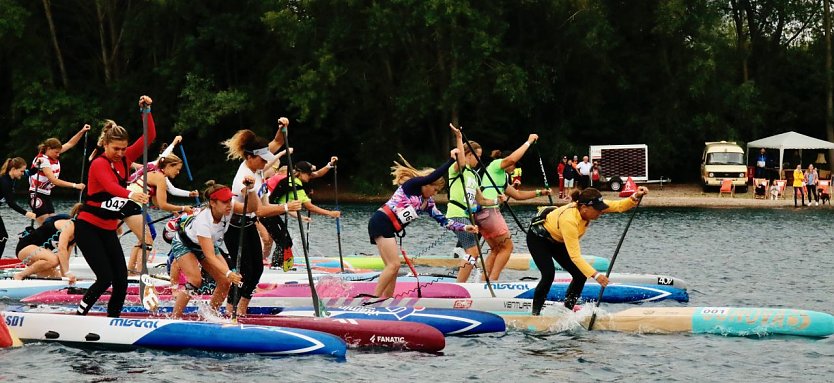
<point>789,140</point>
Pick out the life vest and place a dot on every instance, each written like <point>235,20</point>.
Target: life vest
<point>103,204</point>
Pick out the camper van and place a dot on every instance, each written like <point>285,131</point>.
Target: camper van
<point>723,160</point>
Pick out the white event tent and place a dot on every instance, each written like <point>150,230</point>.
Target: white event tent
<point>789,140</point>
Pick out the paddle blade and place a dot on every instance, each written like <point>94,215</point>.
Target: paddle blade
<point>289,260</point>
<point>150,301</point>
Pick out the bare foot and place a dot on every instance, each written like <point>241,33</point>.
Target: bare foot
<point>18,276</point>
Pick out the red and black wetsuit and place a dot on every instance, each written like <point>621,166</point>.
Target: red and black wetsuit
<point>95,228</point>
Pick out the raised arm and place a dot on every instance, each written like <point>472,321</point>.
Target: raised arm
<point>516,155</point>
<point>325,169</point>
<point>74,140</point>
<point>278,141</point>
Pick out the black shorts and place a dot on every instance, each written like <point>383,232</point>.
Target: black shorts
<point>41,204</point>
<point>25,241</point>
<point>130,209</point>
<point>380,226</point>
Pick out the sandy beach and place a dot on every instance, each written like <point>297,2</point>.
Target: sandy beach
<point>671,195</point>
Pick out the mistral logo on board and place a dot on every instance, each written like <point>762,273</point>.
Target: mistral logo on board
<point>121,322</point>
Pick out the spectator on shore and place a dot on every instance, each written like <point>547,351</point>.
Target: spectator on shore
<point>798,185</point>
<point>560,169</point>
<point>584,170</point>
<point>761,164</point>
<point>811,180</point>
<point>569,174</point>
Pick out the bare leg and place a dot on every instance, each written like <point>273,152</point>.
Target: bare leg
<point>135,225</point>
<point>466,267</point>
<point>189,265</point>
<point>504,247</point>
<point>266,242</point>
<point>217,268</point>
<point>391,258</point>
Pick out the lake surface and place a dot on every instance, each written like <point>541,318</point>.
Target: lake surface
<point>729,257</point>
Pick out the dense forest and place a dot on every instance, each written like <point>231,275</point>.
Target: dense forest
<point>368,79</point>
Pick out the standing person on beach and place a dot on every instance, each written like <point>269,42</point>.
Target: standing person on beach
<point>798,185</point>
<point>569,175</point>
<point>414,196</point>
<point>490,221</point>
<point>197,245</point>
<point>46,168</point>
<point>812,178</point>
<point>554,235</point>
<point>761,164</point>
<point>95,227</point>
<point>254,152</point>
<point>584,169</point>
<point>13,169</point>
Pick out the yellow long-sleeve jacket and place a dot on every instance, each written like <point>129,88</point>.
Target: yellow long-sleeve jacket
<point>565,225</point>
<point>798,178</point>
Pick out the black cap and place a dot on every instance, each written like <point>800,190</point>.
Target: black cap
<point>596,203</point>
<point>304,167</point>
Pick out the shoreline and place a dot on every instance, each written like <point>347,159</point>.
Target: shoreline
<point>672,195</point>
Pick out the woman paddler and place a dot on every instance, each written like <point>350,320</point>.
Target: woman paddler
<point>46,250</point>
<point>255,152</point>
<point>554,234</point>
<point>158,175</point>
<point>95,227</point>
<point>490,220</point>
<point>197,243</point>
<point>464,183</point>
<point>46,168</point>
<point>13,169</point>
<point>414,196</point>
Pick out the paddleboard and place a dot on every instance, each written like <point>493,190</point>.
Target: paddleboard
<point>169,334</point>
<point>735,321</point>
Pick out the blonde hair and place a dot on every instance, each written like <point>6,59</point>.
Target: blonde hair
<point>12,163</point>
<point>169,160</point>
<point>405,171</point>
<point>109,133</point>
<point>50,143</point>
<point>243,143</point>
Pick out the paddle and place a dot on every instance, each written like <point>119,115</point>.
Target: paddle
<point>544,175</point>
<point>188,169</point>
<point>472,216</point>
<point>477,157</point>
<point>611,265</point>
<point>147,293</point>
<point>338,222</point>
<point>83,166</point>
<point>410,265</point>
<point>313,292</point>
<point>236,288</point>
<point>150,223</point>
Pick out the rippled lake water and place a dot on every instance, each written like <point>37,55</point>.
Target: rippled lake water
<point>729,257</point>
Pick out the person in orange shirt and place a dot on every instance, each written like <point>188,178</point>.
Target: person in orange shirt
<point>555,233</point>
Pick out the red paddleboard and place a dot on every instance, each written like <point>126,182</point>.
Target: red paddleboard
<point>364,333</point>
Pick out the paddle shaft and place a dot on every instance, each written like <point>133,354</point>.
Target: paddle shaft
<point>236,298</point>
<point>544,174</point>
<point>188,169</point>
<point>144,205</point>
<point>83,166</point>
<point>290,172</point>
<point>477,157</point>
<point>611,265</point>
<point>338,222</point>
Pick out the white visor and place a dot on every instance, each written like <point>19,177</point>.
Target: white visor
<point>264,153</point>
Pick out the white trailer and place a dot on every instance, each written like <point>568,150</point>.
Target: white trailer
<point>618,162</point>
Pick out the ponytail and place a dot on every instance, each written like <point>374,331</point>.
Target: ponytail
<point>405,171</point>
<point>75,209</point>
<point>12,163</point>
<point>169,160</point>
<point>236,146</point>
<point>50,143</point>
